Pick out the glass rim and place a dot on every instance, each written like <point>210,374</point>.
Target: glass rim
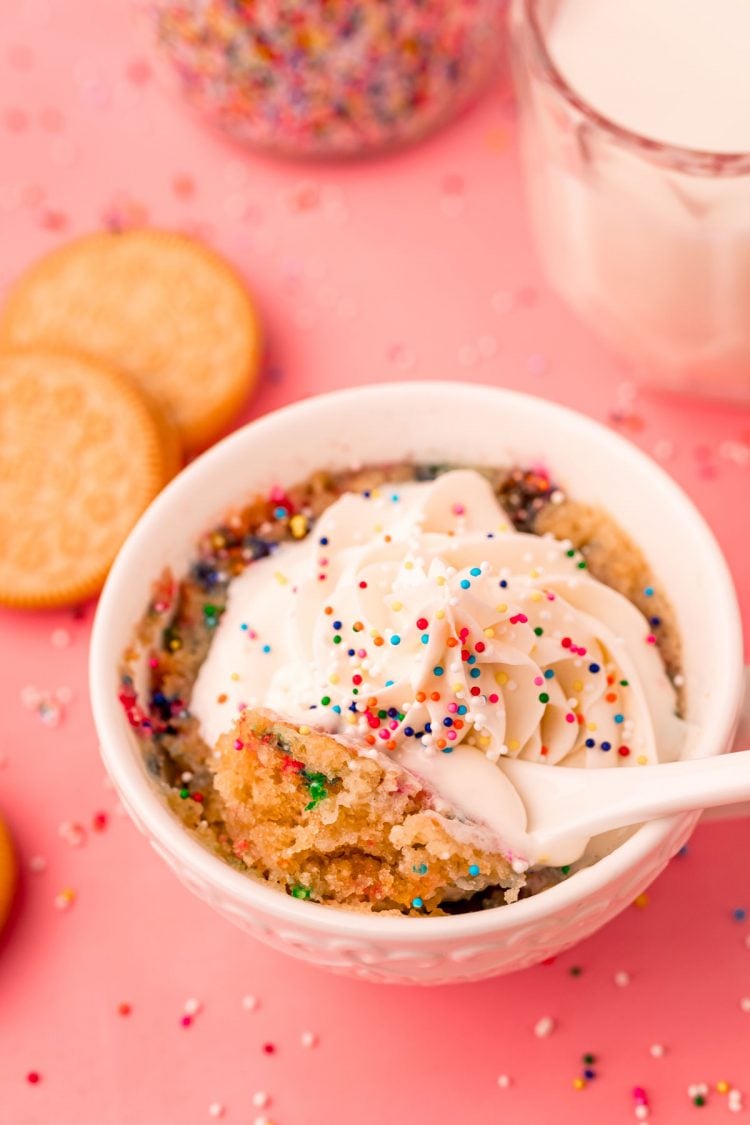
<point>693,161</point>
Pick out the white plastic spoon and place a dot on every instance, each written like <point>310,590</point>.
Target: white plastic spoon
<point>564,806</point>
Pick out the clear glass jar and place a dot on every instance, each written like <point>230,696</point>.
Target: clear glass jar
<point>649,242</point>
<point>326,77</point>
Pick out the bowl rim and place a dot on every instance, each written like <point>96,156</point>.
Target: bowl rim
<point>133,784</point>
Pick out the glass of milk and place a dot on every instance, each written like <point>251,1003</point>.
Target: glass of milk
<point>635,128</point>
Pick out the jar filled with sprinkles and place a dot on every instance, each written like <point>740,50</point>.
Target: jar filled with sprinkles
<point>326,78</point>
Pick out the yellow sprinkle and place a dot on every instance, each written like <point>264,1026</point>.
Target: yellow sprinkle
<point>334,679</point>
<point>234,676</point>
<point>537,596</point>
<point>534,573</point>
<point>642,760</point>
<point>489,632</point>
<point>501,678</point>
<point>577,685</point>
<point>641,901</point>
<point>397,606</point>
<point>351,718</point>
<point>722,1087</point>
<point>513,744</point>
<point>378,527</point>
<point>375,493</point>
<point>440,580</point>
<point>503,527</point>
<point>298,526</point>
<point>304,730</point>
<point>281,578</point>
<point>579,1083</point>
<point>408,566</point>
<point>591,726</point>
<point>484,741</point>
<point>502,608</point>
<point>440,614</point>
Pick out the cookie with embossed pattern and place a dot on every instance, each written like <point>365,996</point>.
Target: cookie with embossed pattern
<point>81,456</point>
<point>155,305</point>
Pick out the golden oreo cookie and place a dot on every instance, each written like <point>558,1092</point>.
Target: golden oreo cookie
<point>81,457</point>
<point>7,872</point>
<point>156,306</point>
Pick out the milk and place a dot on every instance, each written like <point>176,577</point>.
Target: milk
<point>651,247</point>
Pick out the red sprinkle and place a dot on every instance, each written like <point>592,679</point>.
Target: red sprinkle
<point>33,1077</point>
<point>124,1009</point>
<point>624,751</point>
<point>100,821</point>
<point>269,1048</point>
<point>186,1020</point>
<point>422,623</point>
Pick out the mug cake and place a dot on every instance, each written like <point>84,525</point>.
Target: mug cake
<point>332,687</point>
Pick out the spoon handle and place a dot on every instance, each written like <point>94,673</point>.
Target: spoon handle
<point>607,799</point>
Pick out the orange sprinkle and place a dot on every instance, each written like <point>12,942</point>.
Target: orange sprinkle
<point>435,695</point>
<point>378,641</point>
<point>544,750</point>
<point>611,696</point>
<point>370,739</point>
<point>420,697</point>
<point>452,642</point>
<point>441,743</point>
<point>390,745</point>
<point>458,724</point>
<point>372,701</point>
<point>328,609</point>
<point>610,679</point>
<point>357,626</point>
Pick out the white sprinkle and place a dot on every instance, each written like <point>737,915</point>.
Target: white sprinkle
<point>192,1006</point>
<point>261,1099</point>
<point>747,941</point>
<point>697,1090</point>
<point>745,1003</point>
<point>622,979</point>
<point>544,1027</point>
<point>73,834</point>
<point>656,1050</point>
<point>642,1112</point>
<point>308,1039</point>
<point>503,1081</point>
<point>262,1121</point>
<point>249,1003</point>
<point>37,864</point>
<point>216,1109</point>
<point>60,638</point>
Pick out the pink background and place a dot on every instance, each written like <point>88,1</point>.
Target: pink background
<point>412,266</point>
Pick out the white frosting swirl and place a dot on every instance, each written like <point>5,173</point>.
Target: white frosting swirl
<point>418,622</point>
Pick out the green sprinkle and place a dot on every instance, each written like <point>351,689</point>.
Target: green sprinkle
<point>570,553</point>
<point>299,891</point>
<point>582,564</point>
<point>382,714</point>
<point>575,970</point>
<point>699,1100</point>
<point>184,794</point>
<point>589,1060</point>
<point>210,610</point>
<point>326,699</point>
<point>543,697</point>
<point>538,630</point>
<point>624,683</point>
<point>337,639</point>
<point>566,870</point>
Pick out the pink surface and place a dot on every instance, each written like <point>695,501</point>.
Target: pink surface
<point>413,266</point>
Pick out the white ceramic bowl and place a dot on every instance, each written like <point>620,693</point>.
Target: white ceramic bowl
<point>426,422</point>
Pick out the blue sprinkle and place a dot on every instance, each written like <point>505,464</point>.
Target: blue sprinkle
<point>324,541</point>
<point>649,591</point>
<point>503,583</point>
<point>739,914</point>
<point>352,706</point>
<point>447,721</point>
<point>336,708</point>
<point>471,660</point>
<point>594,668</point>
<point>428,728</point>
<point>475,571</point>
<point>422,869</point>
<point>244,627</point>
<point>462,709</point>
<point>683,850</point>
<point>473,870</point>
<point>606,745</point>
<point>465,584</point>
<point>490,534</point>
<point>408,731</point>
<point>395,639</point>
<point>475,672</point>
<point>350,652</point>
<point>448,749</point>
<point>425,638</point>
<point>395,498</point>
<point>417,903</point>
<point>336,624</point>
<point>366,494</point>
<point>548,673</point>
<point>590,743</point>
<point>280,513</point>
<point>656,622</point>
<point>389,683</point>
<point>392,712</point>
<point>266,648</point>
<point>619,718</point>
<point>437,670</point>
<point>589,1073</point>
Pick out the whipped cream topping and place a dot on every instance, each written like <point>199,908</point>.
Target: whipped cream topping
<point>418,622</point>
